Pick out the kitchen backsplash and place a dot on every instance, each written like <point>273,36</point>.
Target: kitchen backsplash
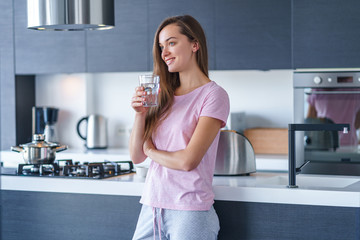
<point>266,98</point>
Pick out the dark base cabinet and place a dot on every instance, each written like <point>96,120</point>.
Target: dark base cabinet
<point>268,221</point>
<point>59,216</point>
<point>43,216</point>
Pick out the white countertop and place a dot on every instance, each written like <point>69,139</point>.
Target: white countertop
<point>268,185</point>
<point>342,191</point>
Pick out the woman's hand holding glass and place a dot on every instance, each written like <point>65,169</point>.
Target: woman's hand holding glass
<point>137,101</point>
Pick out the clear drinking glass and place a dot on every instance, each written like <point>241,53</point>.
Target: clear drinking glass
<point>151,84</point>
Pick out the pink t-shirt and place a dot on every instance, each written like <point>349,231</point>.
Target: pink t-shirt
<point>181,190</point>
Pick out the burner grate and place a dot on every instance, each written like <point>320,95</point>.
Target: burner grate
<point>67,168</point>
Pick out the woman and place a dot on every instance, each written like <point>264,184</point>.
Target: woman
<point>180,136</point>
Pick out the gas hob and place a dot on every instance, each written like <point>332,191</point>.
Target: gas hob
<point>66,168</point>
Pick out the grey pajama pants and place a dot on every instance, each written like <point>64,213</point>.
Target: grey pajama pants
<point>176,224</point>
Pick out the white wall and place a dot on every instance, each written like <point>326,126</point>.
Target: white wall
<point>68,93</point>
<point>266,97</point>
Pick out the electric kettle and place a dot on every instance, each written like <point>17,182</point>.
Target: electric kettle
<point>235,155</point>
<point>96,131</point>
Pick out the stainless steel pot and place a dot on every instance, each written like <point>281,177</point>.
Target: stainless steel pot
<point>39,151</point>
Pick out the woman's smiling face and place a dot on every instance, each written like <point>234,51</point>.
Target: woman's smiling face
<point>176,49</point>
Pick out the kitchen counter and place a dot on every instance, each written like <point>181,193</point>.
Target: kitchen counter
<point>259,206</point>
<point>267,185</point>
<point>264,187</point>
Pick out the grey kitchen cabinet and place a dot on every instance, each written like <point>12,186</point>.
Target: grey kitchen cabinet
<point>202,10</point>
<point>259,221</point>
<point>38,52</point>
<point>46,215</point>
<point>124,48</point>
<point>326,34</point>
<point>241,35</point>
<point>253,34</point>
<point>7,76</point>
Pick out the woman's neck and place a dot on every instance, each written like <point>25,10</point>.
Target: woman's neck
<point>191,80</point>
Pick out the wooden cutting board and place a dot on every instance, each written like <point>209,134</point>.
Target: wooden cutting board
<point>268,140</point>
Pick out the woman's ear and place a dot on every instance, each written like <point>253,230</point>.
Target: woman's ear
<point>195,46</point>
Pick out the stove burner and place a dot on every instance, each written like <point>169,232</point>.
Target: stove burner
<point>86,170</point>
<point>66,168</point>
<point>38,169</point>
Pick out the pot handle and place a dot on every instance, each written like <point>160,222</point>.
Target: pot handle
<point>78,127</point>
<point>17,149</point>
<point>61,148</point>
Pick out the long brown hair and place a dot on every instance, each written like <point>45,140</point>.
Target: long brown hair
<point>169,82</point>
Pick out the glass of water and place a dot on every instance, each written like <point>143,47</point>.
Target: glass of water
<point>151,84</point>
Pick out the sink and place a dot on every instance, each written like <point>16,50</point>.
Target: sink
<point>310,181</point>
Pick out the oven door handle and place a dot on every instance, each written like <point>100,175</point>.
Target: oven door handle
<point>332,92</point>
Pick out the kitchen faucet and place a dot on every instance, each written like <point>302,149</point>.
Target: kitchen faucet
<point>306,127</point>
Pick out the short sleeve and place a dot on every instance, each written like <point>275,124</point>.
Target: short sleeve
<point>216,105</point>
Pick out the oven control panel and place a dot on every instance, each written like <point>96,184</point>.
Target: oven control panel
<point>326,79</point>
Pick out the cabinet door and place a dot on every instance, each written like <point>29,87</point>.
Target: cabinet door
<point>46,51</point>
<point>326,33</point>
<point>7,77</point>
<point>201,10</point>
<point>253,34</point>
<point>123,48</point>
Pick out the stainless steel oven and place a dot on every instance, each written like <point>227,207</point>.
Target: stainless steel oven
<point>328,97</point>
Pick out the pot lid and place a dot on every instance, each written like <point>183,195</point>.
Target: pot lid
<point>39,142</point>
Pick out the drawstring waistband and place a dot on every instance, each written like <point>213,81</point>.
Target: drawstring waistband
<point>155,216</point>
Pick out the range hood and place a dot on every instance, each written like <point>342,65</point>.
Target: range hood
<point>70,15</point>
